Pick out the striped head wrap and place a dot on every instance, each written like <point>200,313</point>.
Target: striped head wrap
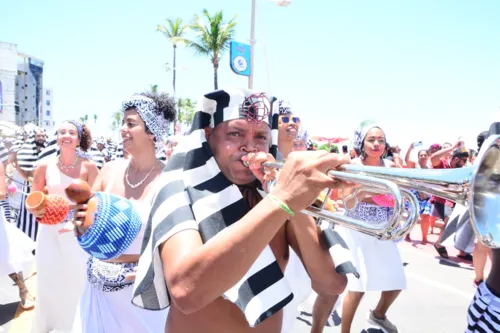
<point>195,194</point>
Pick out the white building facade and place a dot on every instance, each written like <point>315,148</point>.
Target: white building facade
<point>8,74</point>
<point>29,90</point>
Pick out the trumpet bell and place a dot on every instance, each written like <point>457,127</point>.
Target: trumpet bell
<point>484,206</point>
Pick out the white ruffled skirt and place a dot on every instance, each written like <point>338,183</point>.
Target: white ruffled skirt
<point>15,248</point>
<point>378,262</point>
<point>106,303</point>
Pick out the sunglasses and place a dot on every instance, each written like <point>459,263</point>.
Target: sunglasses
<point>286,119</point>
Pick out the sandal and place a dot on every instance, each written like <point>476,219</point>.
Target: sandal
<point>467,256</point>
<point>442,251</point>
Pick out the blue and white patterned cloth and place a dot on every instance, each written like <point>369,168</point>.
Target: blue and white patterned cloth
<point>109,276</point>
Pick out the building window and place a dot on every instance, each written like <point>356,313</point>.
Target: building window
<point>47,113</point>
<point>25,97</point>
<point>47,92</point>
<point>47,102</point>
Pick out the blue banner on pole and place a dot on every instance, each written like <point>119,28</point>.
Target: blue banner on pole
<point>240,58</point>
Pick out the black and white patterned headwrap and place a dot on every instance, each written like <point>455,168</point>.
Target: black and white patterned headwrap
<point>195,194</point>
<point>284,107</point>
<point>147,110</point>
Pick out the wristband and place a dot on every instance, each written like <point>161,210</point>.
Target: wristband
<point>281,204</point>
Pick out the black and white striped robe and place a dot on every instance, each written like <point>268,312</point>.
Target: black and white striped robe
<point>483,315</point>
<point>195,194</point>
<point>27,158</point>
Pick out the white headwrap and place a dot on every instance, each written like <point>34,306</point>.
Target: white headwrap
<point>360,135</point>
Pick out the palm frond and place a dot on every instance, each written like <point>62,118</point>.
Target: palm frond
<point>174,30</point>
<point>199,48</point>
<point>212,34</point>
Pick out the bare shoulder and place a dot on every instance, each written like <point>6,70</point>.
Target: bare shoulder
<point>42,164</point>
<point>89,163</point>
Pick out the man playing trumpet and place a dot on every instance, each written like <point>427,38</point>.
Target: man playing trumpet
<point>218,245</point>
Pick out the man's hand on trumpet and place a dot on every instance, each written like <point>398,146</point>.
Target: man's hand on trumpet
<point>303,177</point>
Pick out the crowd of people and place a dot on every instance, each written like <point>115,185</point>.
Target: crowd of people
<point>223,245</point>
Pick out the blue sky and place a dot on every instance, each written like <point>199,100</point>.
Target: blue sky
<point>424,69</point>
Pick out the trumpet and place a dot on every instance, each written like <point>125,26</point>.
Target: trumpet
<point>476,187</point>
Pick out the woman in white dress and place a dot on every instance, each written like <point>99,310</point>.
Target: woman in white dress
<point>60,262</point>
<point>15,250</point>
<point>106,303</point>
<point>378,261</point>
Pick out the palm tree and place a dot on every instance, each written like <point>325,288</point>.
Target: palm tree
<point>153,89</point>
<point>174,31</point>
<point>212,38</point>
<point>82,119</point>
<point>186,110</point>
<point>95,118</point>
<point>86,118</point>
<point>117,120</point>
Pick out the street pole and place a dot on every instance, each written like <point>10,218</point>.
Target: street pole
<point>252,46</point>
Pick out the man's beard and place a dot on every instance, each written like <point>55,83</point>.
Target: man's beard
<point>39,144</point>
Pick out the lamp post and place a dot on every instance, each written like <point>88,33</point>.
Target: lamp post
<point>280,3</point>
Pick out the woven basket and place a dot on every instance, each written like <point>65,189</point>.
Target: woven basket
<point>111,225</point>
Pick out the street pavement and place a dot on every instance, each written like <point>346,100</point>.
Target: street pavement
<point>435,301</point>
